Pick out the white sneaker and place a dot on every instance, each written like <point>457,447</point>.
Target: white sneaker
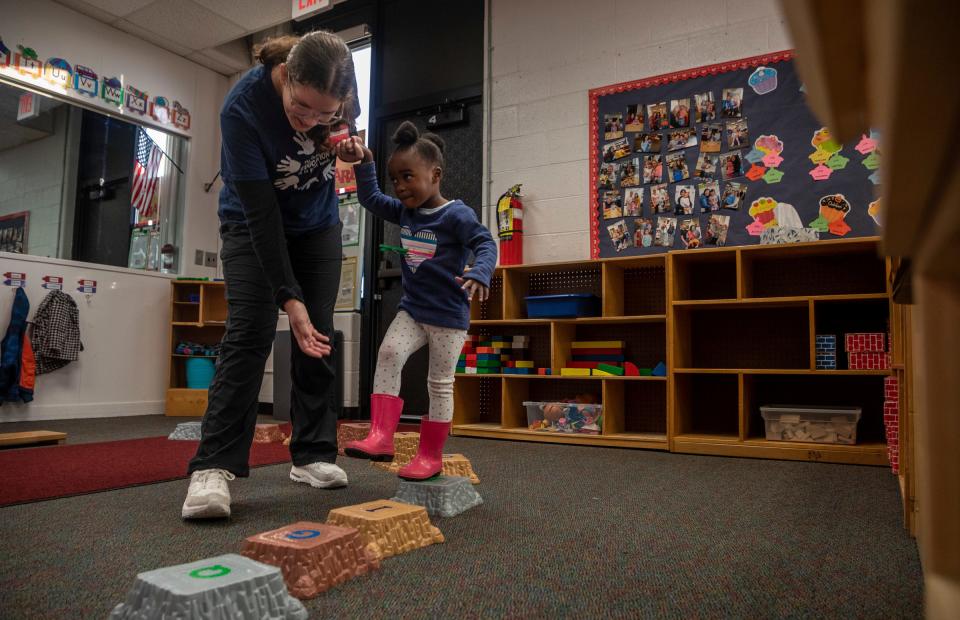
<point>208,496</point>
<point>320,475</point>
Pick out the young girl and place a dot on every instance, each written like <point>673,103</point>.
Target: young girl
<point>435,307</point>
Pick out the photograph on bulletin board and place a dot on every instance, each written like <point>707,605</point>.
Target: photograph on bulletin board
<point>723,155</point>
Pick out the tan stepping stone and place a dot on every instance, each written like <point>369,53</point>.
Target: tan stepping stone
<point>351,431</point>
<point>405,446</point>
<point>313,557</point>
<point>459,465</point>
<point>388,528</point>
<point>268,433</point>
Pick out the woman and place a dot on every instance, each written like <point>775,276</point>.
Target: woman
<point>280,228</point>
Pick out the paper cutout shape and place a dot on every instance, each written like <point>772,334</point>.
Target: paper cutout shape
<point>58,73</point>
<point>86,81</point>
<point>768,144</point>
<point>763,80</point>
<point>772,160</point>
<point>787,216</point>
<point>875,178</point>
<point>872,161</point>
<point>160,109</point>
<point>756,172</point>
<point>821,173</point>
<point>773,176</point>
<point>754,156</point>
<point>839,228</point>
<point>783,234</point>
<point>27,63</point>
<point>819,156</point>
<point>755,228</point>
<point>823,140</point>
<point>866,145</point>
<point>820,224</point>
<point>111,91</point>
<point>833,209</point>
<point>837,162</point>
<point>874,210</point>
<point>763,211</point>
<point>137,100</point>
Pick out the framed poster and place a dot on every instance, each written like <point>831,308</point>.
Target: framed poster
<point>13,232</point>
<point>351,214</point>
<point>727,154</point>
<point>347,293</point>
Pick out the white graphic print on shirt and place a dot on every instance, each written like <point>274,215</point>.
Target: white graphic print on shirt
<point>300,174</point>
<point>420,246</point>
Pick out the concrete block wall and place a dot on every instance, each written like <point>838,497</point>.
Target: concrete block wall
<point>547,54</point>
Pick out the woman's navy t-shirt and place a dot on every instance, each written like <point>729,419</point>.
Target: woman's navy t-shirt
<point>258,144</point>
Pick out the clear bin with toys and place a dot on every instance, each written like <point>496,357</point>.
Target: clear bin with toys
<point>564,417</point>
<point>811,424</point>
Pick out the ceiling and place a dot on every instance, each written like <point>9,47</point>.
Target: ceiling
<point>209,32</point>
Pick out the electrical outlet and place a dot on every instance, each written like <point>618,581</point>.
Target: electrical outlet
<point>198,258</point>
<point>210,260</point>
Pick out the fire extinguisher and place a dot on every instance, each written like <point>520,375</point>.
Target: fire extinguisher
<point>510,226</point>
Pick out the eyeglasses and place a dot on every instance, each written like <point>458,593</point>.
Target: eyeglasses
<point>302,110</point>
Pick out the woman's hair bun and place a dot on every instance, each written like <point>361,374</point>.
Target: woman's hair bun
<point>437,140</point>
<point>406,134</point>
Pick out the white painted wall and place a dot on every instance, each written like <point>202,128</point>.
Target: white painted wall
<point>547,54</point>
<point>124,370</point>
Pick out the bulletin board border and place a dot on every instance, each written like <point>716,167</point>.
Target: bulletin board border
<point>677,76</point>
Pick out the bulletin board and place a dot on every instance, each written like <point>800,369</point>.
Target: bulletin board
<point>722,155</point>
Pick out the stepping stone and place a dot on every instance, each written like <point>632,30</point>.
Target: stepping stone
<point>268,433</point>
<point>186,431</point>
<point>446,496</point>
<point>404,449</point>
<point>388,528</point>
<point>313,557</point>
<point>225,586</point>
<point>351,431</point>
<point>459,465</point>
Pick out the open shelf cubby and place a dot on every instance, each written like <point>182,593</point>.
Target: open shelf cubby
<point>735,326</point>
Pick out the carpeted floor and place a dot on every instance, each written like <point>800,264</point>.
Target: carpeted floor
<point>564,532</point>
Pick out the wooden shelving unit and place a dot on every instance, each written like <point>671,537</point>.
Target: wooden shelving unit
<point>201,321</point>
<point>735,326</point>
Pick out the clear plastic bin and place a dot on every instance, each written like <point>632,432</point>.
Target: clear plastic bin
<point>811,424</point>
<point>559,417</point>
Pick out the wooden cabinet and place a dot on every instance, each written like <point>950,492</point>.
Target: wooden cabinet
<point>736,328</point>
<point>198,311</point>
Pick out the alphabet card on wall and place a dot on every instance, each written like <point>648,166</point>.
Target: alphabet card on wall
<point>744,124</point>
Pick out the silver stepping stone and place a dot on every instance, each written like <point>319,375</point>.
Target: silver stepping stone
<point>225,586</point>
<point>186,431</point>
<point>445,496</point>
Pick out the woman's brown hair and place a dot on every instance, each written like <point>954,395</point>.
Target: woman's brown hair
<point>320,60</point>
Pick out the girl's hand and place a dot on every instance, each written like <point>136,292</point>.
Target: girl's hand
<point>311,342</point>
<point>471,286</point>
<point>352,151</point>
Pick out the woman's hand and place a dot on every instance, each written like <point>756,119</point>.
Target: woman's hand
<point>352,151</point>
<point>311,342</point>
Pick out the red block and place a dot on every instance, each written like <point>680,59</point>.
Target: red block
<point>486,350</point>
<point>868,361</point>
<point>630,369</point>
<point>865,343</point>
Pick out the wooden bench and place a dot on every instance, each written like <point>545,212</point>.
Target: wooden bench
<point>30,438</point>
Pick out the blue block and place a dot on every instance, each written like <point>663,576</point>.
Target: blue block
<point>660,370</point>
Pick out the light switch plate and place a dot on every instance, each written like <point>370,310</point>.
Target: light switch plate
<point>210,260</point>
<point>198,258</point>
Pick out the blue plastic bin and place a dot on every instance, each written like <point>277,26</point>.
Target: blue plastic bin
<point>570,305</point>
<point>199,373</point>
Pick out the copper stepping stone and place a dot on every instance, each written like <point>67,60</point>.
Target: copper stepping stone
<point>404,449</point>
<point>388,528</point>
<point>313,557</point>
<point>268,433</point>
<point>459,465</point>
<point>351,431</point>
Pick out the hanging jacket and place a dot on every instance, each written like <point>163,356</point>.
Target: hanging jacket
<point>56,332</point>
<point>11,350</point>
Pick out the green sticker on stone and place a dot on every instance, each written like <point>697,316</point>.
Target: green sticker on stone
<point>210,572</point>
<point>837,162</point>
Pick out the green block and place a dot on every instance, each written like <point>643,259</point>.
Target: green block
<point>487,371</point>
<point>646,372</point>
<point>613,370</point>
<point>488,364</point>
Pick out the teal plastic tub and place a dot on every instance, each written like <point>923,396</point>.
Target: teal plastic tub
<point>199,372</point>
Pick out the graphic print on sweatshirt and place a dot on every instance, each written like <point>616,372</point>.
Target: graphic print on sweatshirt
<point>420,246</point>
<point>300,174</point>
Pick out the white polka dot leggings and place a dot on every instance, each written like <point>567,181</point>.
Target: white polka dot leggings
<point>404,337</point>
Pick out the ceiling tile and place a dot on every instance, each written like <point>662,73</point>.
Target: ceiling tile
<point>212,64</point>
<point>119,7</point>
<point>89,10</point>
<point>251,14</point>
<point>186,23</point>
<point>152,37</point>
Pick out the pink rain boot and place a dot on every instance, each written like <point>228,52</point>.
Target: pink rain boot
<point>384,417</point>
<point>429,460</point>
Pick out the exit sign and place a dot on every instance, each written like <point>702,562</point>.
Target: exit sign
<point>305,8</point>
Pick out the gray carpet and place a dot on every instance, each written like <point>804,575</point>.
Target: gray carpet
<point>564,532</point>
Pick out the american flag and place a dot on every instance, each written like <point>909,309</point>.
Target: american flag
<point>145,178</point>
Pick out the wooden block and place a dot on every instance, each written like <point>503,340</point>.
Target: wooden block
<point>596,372</point>
<point>388,528</point>
<point>351,431</point>
<point>313,557</point>
<point>28,438</point>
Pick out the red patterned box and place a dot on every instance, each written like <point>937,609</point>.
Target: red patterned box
<point>868,361</point>
<point>891,388</point>
<point>865,343</point>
